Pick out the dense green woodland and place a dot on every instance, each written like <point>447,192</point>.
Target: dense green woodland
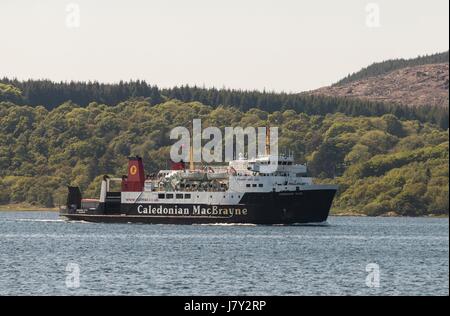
<point>382,164</point>
<point>387,66</point>
<point>50,94</point>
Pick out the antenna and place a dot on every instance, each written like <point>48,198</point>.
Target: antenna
<point>191,158</point>
<point>268,141</point>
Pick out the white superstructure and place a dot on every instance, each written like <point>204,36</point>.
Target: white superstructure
<point>224,184</point>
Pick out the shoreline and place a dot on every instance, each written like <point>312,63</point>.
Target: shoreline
<point>24,207</point>
<point>341,213</point>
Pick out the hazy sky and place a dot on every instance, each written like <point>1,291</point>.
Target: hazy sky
<point>281,45</point>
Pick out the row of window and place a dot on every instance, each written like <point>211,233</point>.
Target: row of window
<point>181,196</point>
<point>280,163</point>
<point>254,185</point>
<point>279,174</point>
<point>177,196</point>
<point>187,185</point>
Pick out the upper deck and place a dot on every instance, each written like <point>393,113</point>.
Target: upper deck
<point>261,174</point>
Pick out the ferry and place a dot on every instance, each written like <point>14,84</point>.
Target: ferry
<point>241,192</point>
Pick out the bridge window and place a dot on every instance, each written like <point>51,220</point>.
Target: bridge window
<point>169,196</point>
<point>161,196</point>
<point>179,196</point>
<point>254,185</point>
<point>187,196</point>
<point>260,185</point>
<point>248,185</point>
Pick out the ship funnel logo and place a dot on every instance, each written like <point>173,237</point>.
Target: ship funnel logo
<point>133,170</point>
<point>197,145</point>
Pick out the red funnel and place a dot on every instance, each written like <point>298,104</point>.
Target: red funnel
<point>136,176</point>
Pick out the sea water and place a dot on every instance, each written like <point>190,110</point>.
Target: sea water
<point>42,254</point>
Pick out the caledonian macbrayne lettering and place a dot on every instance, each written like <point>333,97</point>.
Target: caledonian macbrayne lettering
<point>196,210</point>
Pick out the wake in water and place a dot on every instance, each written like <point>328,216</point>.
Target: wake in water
<point>37,220</point>
<point>321,224</point>
<point>225,224</point>
<point>47,220</point>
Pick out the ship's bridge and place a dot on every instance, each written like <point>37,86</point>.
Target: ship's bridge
<point>268,173</point>
<point>275,165</point>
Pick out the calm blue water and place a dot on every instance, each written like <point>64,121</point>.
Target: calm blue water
<point>36,248</point>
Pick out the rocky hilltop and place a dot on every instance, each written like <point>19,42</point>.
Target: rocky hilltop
<point>423,85</point>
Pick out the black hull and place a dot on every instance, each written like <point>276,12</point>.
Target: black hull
<point>286,208</point>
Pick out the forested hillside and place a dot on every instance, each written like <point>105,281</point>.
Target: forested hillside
<point>382,164</point>
<point>50,94</point>
<point>387,66</point>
